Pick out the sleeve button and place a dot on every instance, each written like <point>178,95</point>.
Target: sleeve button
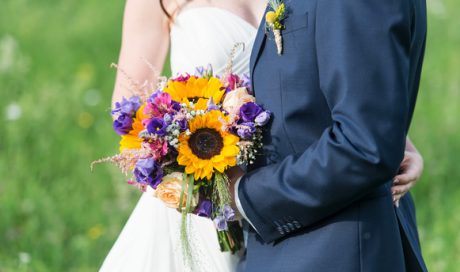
<point>286,229</point>
<point>297,224</point>
<point>280,230</point>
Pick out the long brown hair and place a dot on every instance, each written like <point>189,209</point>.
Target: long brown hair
<point>164,10</point>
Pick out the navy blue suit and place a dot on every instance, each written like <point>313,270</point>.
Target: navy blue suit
<point>342,97</point>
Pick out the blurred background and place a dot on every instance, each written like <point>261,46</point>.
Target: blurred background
<point>55,91</point>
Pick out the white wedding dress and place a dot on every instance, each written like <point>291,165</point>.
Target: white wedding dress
<point>149,239</point>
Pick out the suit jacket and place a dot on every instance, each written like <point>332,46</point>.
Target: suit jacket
<point>342,96</point>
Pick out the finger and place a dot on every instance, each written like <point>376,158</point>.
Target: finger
<point>401,189</point>
<point>396,197</point>
<point>404,178</point>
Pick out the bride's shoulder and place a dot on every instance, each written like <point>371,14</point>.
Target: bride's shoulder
<point>150,14</point>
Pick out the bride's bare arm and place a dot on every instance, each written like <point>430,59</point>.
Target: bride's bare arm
<point>145,33</point>
<point>410,171</point>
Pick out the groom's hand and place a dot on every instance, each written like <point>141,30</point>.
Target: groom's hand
<point>410,170</point>
<point>234,174</point>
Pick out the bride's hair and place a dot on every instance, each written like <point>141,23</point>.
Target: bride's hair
<point>165,11</point>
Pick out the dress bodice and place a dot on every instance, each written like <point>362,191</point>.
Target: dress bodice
<point>207,35</point>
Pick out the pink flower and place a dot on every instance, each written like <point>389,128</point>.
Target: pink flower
<point>159,148</point>
<point>142,187</point>
<point>161,105</point>
<point>233,81</point>
<point>181,78</point>
<point>145,122</point>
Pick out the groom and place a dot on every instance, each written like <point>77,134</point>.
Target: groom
<point>342,96</point>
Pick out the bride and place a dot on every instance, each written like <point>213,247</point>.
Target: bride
<point>197,33</point>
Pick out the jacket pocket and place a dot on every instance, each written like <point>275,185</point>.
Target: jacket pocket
<point>294,22</point>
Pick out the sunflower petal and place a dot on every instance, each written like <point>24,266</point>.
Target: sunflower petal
<point>219,166</point>
<point>200,87</point>
<point>218,158</point>
<point>198,173</point>
<point>218,96</point>
<point>201,104</point>
<point>208,169</point>
<point>185,151</point>
<point>183,160</point>
<point>190,89</point>
<point>180,89</point>
<point>172,91</point>
<point>190,169</point>
<point>203,174</point>
<point>209,176</point>
<point>231,161</point>
<point>230,151</point>
<point>230,139</point>
<point>198,122</point>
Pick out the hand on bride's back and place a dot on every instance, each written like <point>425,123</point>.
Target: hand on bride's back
<point>409,173</point>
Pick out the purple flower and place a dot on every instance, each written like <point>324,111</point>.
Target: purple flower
<point>157,126</point>
<point>227,90</point>
<point>148,172</point>
<point>228,213</point>
<point>246,130</point>
<point>123,125</point>
<point>123,108</point>
<point>249,111</point>
<point>153,96</point>
<point>263,118</point>
<point>136,101</point>
<point>220,223</point>
<point>199,71</point>
<point>246,81</point>
<point>205,209</point>
<point>211,105</point>
<point>172,149</point>
<point>168,118</point>
<point>175,105</point>
<point>144,168</point>
<point>182,124</point>
<point>144,134</point>
<point>209,70</point>
<point>126,107</point>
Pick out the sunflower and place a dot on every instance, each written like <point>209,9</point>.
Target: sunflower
<point>207,147</point>
<point>131,140</point>
<point>196,90</point>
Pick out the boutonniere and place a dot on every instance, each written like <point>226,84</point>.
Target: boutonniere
<point>273,22</point>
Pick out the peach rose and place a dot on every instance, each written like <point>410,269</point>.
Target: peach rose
<point>168,191</point>
<point>233,97</point>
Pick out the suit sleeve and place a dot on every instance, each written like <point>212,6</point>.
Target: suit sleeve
<point>363,49</point>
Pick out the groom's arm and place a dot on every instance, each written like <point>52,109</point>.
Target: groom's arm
<point>363,49</point>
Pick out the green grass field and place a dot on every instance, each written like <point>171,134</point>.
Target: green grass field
<point>55,90</point>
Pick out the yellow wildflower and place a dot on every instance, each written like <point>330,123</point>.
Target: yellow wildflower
<point>270,17</point>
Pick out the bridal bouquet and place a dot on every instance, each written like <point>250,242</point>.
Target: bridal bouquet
<point>180,136</point>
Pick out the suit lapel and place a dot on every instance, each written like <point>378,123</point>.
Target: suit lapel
<point>260,37</point>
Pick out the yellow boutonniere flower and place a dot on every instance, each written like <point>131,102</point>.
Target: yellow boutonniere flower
<point>273,21</point>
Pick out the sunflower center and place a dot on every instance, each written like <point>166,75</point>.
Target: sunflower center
<point>206,143</point>
<point>195,99</point>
